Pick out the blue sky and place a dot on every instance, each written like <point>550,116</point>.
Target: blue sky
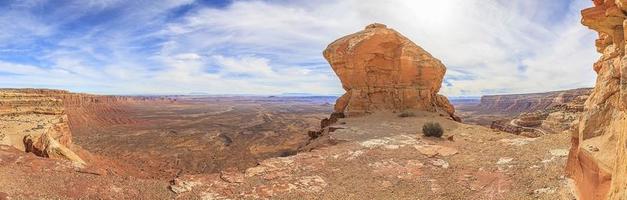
<point>271,47</point>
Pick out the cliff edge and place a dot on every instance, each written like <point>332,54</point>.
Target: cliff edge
<point>598,157</point>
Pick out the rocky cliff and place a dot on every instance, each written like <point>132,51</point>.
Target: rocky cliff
<point>598,157</point>
<point>33,121</point>
<point>519,103</point>
<point>42,121</point>
<point>380,69</point>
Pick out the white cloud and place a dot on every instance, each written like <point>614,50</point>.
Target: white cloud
<point>489,41</point>
<point>253,66</point>
<point>267,47</point>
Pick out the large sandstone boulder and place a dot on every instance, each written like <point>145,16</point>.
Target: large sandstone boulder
<point>380,69</point>
<point>598,157</point>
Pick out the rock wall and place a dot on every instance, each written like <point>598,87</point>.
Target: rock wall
<point>380,69</point>
<point>598,157</point>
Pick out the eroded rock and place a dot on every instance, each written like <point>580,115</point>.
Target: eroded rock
<point>380,69</point>
<point>602,174</point>
<point>35,121</point>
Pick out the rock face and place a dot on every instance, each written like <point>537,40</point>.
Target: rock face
<point>380,69</point>
<point>598,157</point>
<point>35,122</point>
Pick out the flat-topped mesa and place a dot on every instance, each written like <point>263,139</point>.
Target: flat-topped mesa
<point>380,69</point>
<point>598,157</point>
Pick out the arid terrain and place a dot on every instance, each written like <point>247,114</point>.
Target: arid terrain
<point>146,149</point>
<point>197,134</point>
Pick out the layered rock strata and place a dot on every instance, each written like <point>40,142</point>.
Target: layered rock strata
<point>520,103</point>
<point>380,69</point>
<point>37,123</point>
<point>559,117</point>
<point>598,157</point>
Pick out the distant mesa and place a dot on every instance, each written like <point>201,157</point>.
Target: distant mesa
<point>380,69</point>
<point>198,93</point>
<point>515,104</point>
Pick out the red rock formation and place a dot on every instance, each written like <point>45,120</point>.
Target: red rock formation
<point>36,122</point>
<point>598,157</point>
<point>380,69</point>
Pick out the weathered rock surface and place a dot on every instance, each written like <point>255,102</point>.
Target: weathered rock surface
<point>598,157</point>
<point>380,69</point>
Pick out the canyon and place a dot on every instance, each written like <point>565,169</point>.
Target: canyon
<point>530,115</point>
<point>494,107</point>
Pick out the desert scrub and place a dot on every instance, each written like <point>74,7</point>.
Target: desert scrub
<point>432,129</point>
<point>406,114</point>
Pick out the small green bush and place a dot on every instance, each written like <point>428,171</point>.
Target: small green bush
<point>406,114</point>
<point>432,129</point>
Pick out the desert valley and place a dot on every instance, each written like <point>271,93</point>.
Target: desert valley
<point>371,142</point>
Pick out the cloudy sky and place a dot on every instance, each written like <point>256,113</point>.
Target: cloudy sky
<point>272,47</point>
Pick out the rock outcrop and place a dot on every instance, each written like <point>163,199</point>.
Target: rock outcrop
<point>380,69</point>
<point>35,122</point>
<point>598,157</point>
